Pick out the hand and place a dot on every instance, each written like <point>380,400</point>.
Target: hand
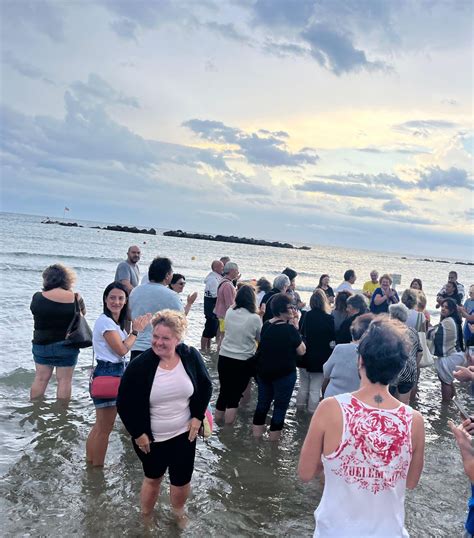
<point>139,323</point>
<point>194,425</point>
<point>463,438</point>
<point>464,374</point>
<point>262,309</point>
<point>462,311</point>
<point>143,443</point>
<point>192,297</point>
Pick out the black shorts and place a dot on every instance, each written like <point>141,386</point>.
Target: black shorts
<point>176,454</point>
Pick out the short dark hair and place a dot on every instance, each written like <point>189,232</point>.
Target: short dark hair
<point>358,302</point>
<point>341,301</point>
<point>280,303</point>
<point>245,298</point>
<point>58,276</point>
<point>349,274</point>
<point>264,285</point>
<point>176,277</point>
<point>290,273</point>
<point>409,298</point>
<point>360,325</point>
<point>123,312</point>
<point>159,268</point>
<point>384,349</point>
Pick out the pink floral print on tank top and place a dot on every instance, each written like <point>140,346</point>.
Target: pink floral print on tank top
<point>376,449</point>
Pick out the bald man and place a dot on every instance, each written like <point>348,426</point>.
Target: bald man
<point>127,271</point>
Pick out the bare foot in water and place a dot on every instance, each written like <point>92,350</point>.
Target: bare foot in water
<point>182,520</point>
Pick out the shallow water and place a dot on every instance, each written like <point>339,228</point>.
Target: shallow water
<point>241,487</point>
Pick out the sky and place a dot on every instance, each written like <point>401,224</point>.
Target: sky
<point>338,122</point>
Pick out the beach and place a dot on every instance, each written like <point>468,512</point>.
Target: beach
<point>240,487</point>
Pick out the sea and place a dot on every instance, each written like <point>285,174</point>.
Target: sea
<point>240,487</point>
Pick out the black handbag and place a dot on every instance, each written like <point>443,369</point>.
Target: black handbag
<point>78,333</point>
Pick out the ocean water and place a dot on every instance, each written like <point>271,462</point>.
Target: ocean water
<point>240,487</point>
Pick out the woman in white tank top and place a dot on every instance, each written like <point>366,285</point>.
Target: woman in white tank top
<point>369,446</point>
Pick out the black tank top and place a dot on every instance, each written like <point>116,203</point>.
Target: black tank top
<point>52,319</point>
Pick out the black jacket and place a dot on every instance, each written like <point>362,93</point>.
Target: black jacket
<point>267,301</point>
<point>133,401</point>
<point>317,329</point>
<point>343,335</point>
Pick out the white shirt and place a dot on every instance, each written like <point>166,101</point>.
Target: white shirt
<point>102,350</point>
<point>212,282</point>
<point>345,286</point>
<point>169,403</point>
<point>365,477</point>
<point>242,329</point>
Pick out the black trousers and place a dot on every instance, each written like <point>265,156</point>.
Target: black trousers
<point>234,376</point>
<point>212,323</point>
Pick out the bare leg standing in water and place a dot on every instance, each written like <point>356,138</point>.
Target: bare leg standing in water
<point>98,440</point>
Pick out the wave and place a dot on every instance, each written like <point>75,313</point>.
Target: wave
<point>55,255</point>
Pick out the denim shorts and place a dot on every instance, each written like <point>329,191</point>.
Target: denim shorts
<point>57,354</point>
<point>105,368</point>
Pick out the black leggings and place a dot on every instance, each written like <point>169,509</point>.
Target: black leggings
<point>234,376</point>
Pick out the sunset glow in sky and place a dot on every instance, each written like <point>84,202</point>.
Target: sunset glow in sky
<point>343,122</point>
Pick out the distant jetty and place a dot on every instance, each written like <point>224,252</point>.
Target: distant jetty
<point>116,228</point>
<point>439,261</point>
<point>232,239</point>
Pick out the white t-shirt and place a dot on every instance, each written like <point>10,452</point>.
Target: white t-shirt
<point>344,286</point>
<point>102,350</point>
<point>242,329</point>
<point>211,283</point>
<point>169,403</point>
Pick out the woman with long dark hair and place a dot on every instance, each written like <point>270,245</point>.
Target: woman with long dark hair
<point>340,308</point>
<point>110,343</point>
<point>447,343</point>
<point>242,331</point>
<point>317,329</point>
<point>324,285</point>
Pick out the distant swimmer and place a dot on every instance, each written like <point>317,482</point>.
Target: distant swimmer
<point>371,285</point>
<point>127,272</point>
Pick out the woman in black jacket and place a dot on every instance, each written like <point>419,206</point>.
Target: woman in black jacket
<point>356,306</point>
<point>162,400</point>
<point>317,329</point>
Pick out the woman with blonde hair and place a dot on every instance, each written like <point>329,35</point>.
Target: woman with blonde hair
<point>162,400</point>
<point>317,329</point>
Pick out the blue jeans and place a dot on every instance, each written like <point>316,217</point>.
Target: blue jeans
<point>279,392</point>
<point>57,354</point>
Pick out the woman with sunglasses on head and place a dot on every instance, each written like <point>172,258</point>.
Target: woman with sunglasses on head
<point>280,343</point>
<point>177,284</point>
<point>110,343</point>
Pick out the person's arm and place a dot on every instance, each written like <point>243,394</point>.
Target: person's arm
<point>203,394</point>
<point>379,297</point>
<point>122,347</point>
<point>301,349</point>
<point>189,302</point>
<point>82,305</point>
<point>418,451</point>
<point>122,275</point>
<point>463,440</point>
<point>310,464</point>
<point>464,374</point>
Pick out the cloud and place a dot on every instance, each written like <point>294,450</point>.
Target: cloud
<point>267,150</point>
<point>24,68</point>
<point>435,178</point>
<point>394,206</point>
<point>46,17</point>
<point>369,212</point>
<point>335,51</point>
<point>228,31</point>
<point>451,102</point>
<point>219,214</point>
<point>340,189</point>
<point>424,128</point>
<point>97,91</point>
<point>242,185</point>
<point>375,180</point>
<point>295,13</point>
<point>125,28</point>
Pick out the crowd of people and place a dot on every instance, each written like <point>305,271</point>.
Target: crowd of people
<point>356,356</point>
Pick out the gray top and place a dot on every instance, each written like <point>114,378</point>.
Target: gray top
<point>341,370</point>
<point>125,271</point>
<point>151,297</point>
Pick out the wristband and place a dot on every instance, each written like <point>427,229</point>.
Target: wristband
<point>135,333</point>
